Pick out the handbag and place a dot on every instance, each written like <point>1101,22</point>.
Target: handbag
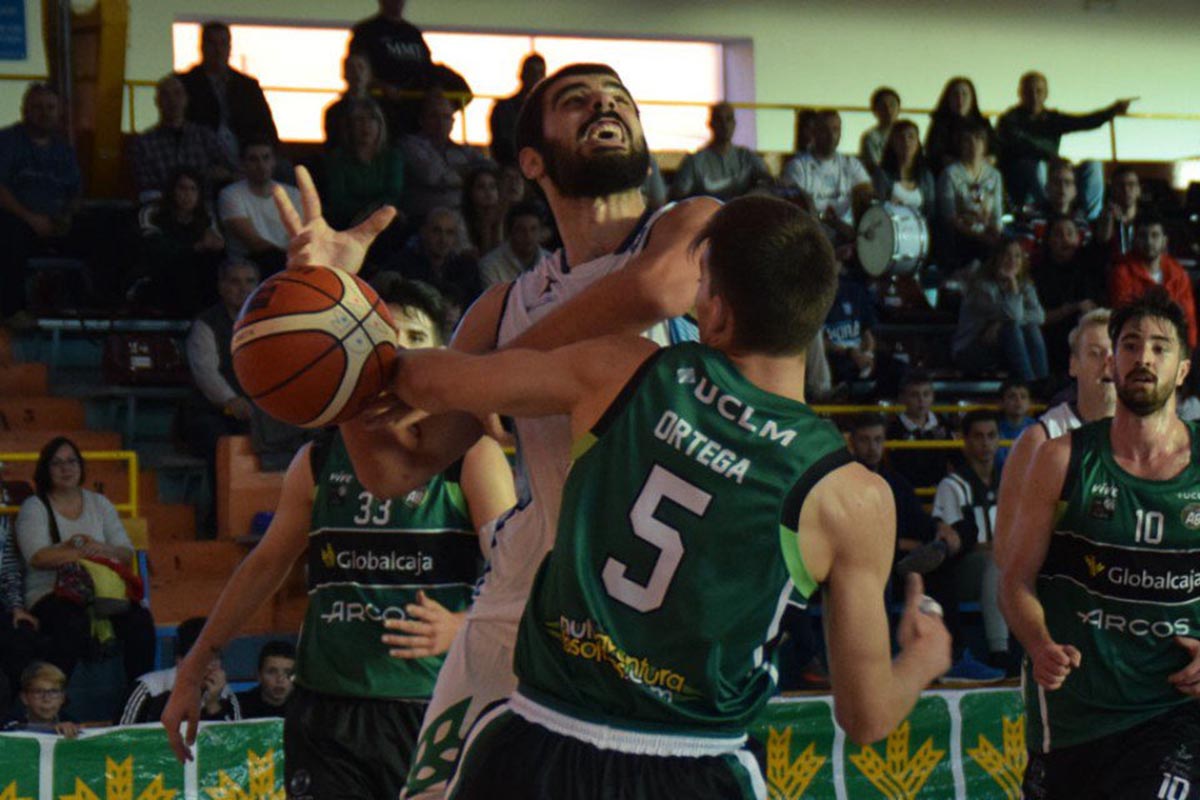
<point>72,582</point>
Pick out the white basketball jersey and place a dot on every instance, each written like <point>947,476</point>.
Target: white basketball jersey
<point>1059,420</point>
<point>544,444</point>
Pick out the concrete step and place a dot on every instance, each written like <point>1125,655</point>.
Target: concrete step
<point>170,522</point>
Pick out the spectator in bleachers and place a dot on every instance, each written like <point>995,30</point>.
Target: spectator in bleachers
<point>247,210</point>
<point>970,201</point>
<point>721,168</point>
<point>436,165</point>
<point>521,249</point>
<point>1014,413</point>
<point>276,666</point>
<point>483,209</point>
<point>885,105</point>
<point>217,407</point>
<point>225,101</point>
<point>849,343</point>
<point>503,119</point>
<point>365,173</point>
<point>400,62</point>
<point>958,107</point>
<point>57,528</point>
<point>1151,265</point>
<point>150,693</point>
<point>180,249</point>
<point>39,190</point>
<point>1061,200</point>
<point>917,422</point>
<point>356,70</point>
<point>1071,281</point>
<point>1030,135</point>
<point>43,695</point>
<point>903,175</point>
<point>1115,228</point>
<point>964,509</point>
<point>176,143</point>
<point>434,255</point>
<point>1000,321</point>
<point>805,131</point>
<point>18,628</point>
<point>830,178</point>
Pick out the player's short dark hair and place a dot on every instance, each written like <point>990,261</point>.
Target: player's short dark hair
<point>1155,304</point>
<point>973,418</point>
<point>186,635</point>
<point>915,377</point>
<point>530,130</point>
<point>396,290</point>
<point>867,419</point>
<point>525,208</point>
<point>881,92</point>
<point>775,269</point>
<point>1013,383</point>
<point>276,648</point>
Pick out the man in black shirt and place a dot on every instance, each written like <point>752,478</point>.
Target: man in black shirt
<point>276,664</point>
<point>400,62</point>
<point>503,121</point>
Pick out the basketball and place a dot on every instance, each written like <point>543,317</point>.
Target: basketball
<point>312,345</point>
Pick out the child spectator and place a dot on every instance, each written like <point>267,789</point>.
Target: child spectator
<point>1014,413</point>
<point>43,695</point>
<point>918,423</point>
<point>970,201</point>
<point>276,666</point>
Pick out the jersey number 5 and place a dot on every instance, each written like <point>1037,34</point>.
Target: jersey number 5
<point>660,484</point>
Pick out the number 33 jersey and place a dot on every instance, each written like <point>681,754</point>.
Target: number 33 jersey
<point>1120,581</point>
<point>676,551</point>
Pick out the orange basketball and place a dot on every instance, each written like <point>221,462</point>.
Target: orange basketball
<point>312,345</point>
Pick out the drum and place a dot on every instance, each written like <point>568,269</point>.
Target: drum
<point>892,237</point>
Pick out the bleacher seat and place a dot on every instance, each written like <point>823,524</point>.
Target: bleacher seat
<point>41,414</point>
<point>243,488</point>
<point>24,379</point>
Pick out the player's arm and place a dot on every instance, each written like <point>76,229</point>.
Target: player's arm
<point>1027,546</point>
<point>848,534</point>
<point>260,575</point>
<point>658,283</point>
<point>487,484</point>
<point>1012,481</point>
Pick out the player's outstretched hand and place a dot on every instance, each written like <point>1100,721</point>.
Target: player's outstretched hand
<point>1053,662</point>
<point>315,244</point>
<point>183,706</point>
<point>1187,680</point>
<point>922,633</point>
<point>428,631</point>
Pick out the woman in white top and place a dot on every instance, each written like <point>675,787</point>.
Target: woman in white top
<point>904,176</point>
<point>84,525</point>
<point>970,199</point>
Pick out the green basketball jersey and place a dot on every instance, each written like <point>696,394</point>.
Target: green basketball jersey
<point>675,552</point>
<point>1121,579</point>
<point>367,558</point>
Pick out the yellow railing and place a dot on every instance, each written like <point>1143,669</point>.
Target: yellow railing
<point>129,507</point>
<point>892,408</point>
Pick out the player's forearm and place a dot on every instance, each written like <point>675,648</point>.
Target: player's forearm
<point>515,382</point>
<point>872,710</point>
<point>1024,613</point>
<point>390,462</point>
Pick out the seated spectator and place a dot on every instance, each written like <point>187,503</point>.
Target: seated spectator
<point>1115,228</point>
<point>174,144</point>
<point>1014,414</point>
<point>827,176</point>
<point>805,132</point>
<point>150,693</point>
<point>885,105</point>
<point>276,666</point>
<point>849,343</point>
<point>483,209</point>
<point>903,175</point>
<point>1000,321</point>
<point>366,173</point>
<point>400,62</point>
<point>356,71</point>
<point>253,228</point>
<point>19,643</point>
<point>434,256</point>
<point>39,191</point>
<point>217,407</point>
<point>1060,201</point>
<point>180,249</point>
<point>917,422</point>
<point>43,695</point>
<point>1030,135</point>
<point>435,164</point>
<point>521,249</point>
<point>225,101</point>
<point>1071,281</point>
<point>964,509</point>
<point>721,168</point>
<point>503,119</point>
<point>513,186</point>
<point>970,201</point>
<point>1150,265</point>
<point>958,107</point>
<point>58,527</point>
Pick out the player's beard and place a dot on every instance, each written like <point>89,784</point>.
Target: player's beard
<point>597,175</point>
<point>1141,398</point>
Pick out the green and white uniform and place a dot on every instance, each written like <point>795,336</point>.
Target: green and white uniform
<point>1121,579</point>
<point>648,626</point>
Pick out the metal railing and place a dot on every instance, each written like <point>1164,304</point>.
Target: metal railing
<point>129,507</point>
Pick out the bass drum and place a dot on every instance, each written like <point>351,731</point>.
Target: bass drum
<point>892,237</point>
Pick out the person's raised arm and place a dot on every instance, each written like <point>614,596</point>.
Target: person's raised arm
<point>1013,480</point>
<point>260,575</point>
<point>851,519</point>
<point>487,484</point>
<point>1029,541</point>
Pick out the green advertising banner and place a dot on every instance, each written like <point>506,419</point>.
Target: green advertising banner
<point>132,762</point>
<point>19,768</point>
<point>241,761</point>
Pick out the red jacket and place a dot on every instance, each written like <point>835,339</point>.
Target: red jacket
<point>1129,279</point>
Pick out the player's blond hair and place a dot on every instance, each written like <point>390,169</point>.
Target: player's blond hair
<point>1097,316</point>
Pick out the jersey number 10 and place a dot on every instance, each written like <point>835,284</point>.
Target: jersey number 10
<point>1149,527</point>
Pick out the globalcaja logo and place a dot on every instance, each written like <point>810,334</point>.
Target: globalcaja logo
<point>1095,567</point>
<point>328,557</point>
